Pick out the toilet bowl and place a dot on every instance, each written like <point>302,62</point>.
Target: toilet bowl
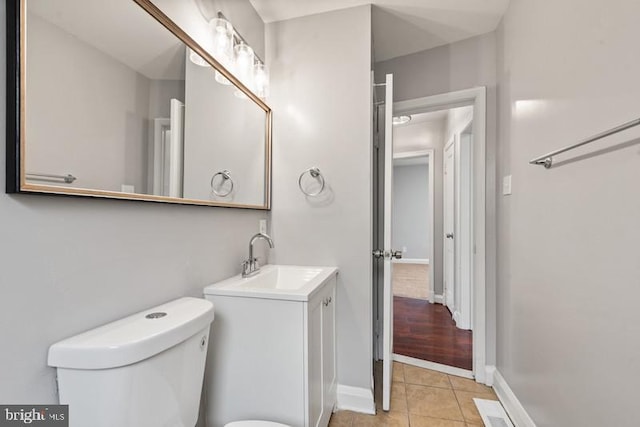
<point>145,370</point>
<point>255,423</point>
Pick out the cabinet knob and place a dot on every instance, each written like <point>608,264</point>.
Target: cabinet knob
<point>326,301</point>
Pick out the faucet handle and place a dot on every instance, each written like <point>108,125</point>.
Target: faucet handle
<point>256,264</point>
<point>246,266</point>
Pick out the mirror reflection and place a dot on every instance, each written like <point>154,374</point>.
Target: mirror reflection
<point>116,103</point>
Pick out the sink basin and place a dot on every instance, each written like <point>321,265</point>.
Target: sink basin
<point>289,282</point>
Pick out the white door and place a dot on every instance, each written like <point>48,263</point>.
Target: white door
<point>176,158</point>
<point>387,327</point>
<point>449,225</point>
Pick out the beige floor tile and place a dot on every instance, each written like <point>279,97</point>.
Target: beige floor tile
<point>398,397</point>
<point>468,406</point>
<point>398,372</point>
<point>433,402</point>
<point>415,375</point>
<point>341,419</point>
<point>420,421</point>
<point>398,390</point>
<point>411,280</point>
<point>466,384</point>
<point>381,419</point>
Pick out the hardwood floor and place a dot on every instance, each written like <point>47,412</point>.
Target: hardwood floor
<point>427,331</point>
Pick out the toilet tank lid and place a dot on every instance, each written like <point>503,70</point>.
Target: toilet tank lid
<point>133,338</point>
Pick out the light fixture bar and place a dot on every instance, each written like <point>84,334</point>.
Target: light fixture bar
<point>239,37</point>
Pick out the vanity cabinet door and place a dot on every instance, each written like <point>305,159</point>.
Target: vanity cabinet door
<point>315,361</point>
<point>322,355</point>
<point>329,349</point>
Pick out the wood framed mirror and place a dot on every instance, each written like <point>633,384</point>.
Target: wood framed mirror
<point>114,100</point>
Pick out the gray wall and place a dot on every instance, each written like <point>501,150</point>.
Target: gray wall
<point>462,65</point>
<point>70,264</point>
<point>71,133</point>
<point>321,99</point>
<point>410,227</point>
<point>222,132</point>
<point>569,270</point>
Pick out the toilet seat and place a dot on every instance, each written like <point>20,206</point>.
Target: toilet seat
<point>255,423</point>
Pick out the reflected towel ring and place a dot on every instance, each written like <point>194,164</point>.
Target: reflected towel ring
<point>315,173</point>
<point>226,176</point>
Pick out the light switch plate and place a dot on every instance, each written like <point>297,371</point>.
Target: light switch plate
<point>506,185</point>
<point>263,226</point>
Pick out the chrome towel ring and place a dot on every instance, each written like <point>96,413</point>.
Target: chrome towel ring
<point>314,172</point>
<point>226,176</point>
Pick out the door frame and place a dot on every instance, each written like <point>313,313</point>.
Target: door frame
<point>476,97</point>
<point>430,154</point>
<point>450,144</point>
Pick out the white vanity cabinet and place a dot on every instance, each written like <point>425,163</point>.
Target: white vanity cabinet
<point>320,340</point>
<point>272,351</point>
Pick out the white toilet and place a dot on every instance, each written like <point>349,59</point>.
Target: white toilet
<point>254,423</point>
<point>145,370</point>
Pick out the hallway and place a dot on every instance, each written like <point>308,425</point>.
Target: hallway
<point>426,331</point>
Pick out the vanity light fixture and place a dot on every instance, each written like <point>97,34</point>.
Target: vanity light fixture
<point>401,120</point>
<point>235,54</point>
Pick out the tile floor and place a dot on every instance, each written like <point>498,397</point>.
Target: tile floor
<point>411,281</point>
<point>421,398</point>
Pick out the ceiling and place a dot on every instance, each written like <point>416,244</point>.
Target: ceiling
<point>402,27</point>
<point>120,29</point>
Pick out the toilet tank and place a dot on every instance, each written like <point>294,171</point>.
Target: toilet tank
<point>145,370</point>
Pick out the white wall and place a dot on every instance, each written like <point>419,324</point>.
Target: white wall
<point>462,65</point>
<point>85,108</point>
<point>457,119</point>
<point>321,98</point>
<point>70,264</point>
<point>410,227</point>
<point>569,264</point>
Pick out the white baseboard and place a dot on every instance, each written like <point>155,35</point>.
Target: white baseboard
<point>451,370</point>
<point>356,399</point>
<point>510,402</point>
<point>411,261</point>
<point>489,372</point>
<point>439,299</point>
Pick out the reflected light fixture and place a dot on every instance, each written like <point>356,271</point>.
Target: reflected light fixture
<point>233,52</point>
<point>401,120</point>
<point>222,31</point>
<point>197,59</point>
<point>244,67</point>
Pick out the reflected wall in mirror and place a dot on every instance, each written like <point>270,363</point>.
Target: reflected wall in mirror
<point>111,105</point>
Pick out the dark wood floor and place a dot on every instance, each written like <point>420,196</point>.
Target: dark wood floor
<point>427,331</point>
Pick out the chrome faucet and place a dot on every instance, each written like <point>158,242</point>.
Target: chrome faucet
<point>251,266</point>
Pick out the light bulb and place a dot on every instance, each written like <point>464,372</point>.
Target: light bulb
<point>197,59</point>
<point>222,32</point>
<point>244,67</point>
<point>261,80</point>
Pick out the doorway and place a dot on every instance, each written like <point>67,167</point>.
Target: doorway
<point>470,255</point>
<point>430,290</point>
